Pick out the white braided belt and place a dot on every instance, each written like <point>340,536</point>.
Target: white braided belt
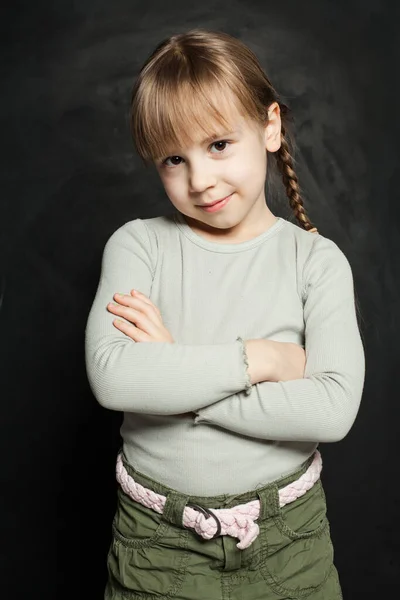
<point>237,521</point>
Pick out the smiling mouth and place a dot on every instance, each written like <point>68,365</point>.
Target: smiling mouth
<point>216,206</point>
<point>216,201</point>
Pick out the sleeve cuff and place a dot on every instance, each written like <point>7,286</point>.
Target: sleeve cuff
<point>199,419</point>
<point>248,387</point>
<point>200,416</point>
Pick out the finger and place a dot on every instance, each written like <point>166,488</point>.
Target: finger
<point>147,308</point>
<point>127,312</point>
<point>136,334</point>
<point>140,303</point>
<point>148,323</point>
<point>140,296</point>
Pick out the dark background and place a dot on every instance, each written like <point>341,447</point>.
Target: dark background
<point>70,178</point>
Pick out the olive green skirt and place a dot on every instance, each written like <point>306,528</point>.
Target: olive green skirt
<point>153,557</point>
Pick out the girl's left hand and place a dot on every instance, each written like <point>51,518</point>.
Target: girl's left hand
<point>145,322</point>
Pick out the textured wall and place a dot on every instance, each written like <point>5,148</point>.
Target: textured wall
<point>70,178</point>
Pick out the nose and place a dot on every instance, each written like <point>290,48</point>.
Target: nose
<point>201,177</point>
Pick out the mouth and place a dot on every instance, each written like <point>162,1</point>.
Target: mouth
<point>218,204</point>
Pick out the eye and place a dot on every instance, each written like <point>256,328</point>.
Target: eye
<point>164,162</point>
<point>221,150</point>
<point>220,142</point>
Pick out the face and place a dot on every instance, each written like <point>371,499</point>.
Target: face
<point>234,164</point>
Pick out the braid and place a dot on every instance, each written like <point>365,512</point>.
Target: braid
<point>285,165</point>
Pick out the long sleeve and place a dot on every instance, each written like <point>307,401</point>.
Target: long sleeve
<point>153,378</point>
<point>323,405</point>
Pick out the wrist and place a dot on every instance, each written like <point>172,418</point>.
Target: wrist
<point>261,360</point>
<point>270,360</point>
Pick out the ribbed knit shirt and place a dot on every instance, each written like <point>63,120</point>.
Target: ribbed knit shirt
<point>192,419</point>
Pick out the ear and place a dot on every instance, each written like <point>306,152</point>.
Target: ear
<point>272,134</point>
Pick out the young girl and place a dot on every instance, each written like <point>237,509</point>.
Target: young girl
<point>258,355</point>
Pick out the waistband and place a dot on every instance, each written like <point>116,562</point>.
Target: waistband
<point>238,521</point>
<point>220,500</point>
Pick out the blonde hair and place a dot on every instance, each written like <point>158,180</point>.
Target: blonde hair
<point>185,78</point>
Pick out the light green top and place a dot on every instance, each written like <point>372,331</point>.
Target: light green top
<point>286,285</point>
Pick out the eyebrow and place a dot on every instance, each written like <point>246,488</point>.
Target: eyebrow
<point>218,135</point>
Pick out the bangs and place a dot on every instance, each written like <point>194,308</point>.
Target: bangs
<point>172,115</point>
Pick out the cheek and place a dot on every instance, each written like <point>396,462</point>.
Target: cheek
<point>249,170</point>
<point>176,193</point>
<point>172,187</point>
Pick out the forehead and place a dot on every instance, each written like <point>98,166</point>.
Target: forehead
<point>188,117</point>
<point>209,126</point>
<point>213,128</point>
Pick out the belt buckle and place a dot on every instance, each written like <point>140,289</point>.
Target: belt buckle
<point>207,512</point>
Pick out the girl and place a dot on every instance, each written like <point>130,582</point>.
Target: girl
<point>258,355</point>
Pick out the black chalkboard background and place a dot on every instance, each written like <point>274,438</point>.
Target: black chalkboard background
<point>70,177</point>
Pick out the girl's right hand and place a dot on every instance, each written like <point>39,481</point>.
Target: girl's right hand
<point>287,361</point>
<point>143,318</point>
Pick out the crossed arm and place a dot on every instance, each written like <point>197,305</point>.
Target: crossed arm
<point>319,404</point>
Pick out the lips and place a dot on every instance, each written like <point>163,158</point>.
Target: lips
<point>215,201</point>
<point>217,206</point>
